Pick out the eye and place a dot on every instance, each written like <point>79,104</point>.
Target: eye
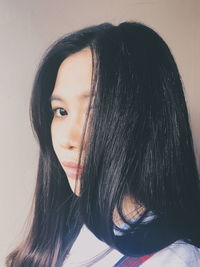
<point>60,110</point>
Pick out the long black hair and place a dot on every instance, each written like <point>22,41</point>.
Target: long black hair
<point>140,145</point>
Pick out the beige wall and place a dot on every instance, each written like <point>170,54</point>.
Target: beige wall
<point>27,28</point>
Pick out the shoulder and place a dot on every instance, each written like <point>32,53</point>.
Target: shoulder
<point>178,254</point>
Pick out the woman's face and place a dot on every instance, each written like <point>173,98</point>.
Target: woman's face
<point>69,101</point>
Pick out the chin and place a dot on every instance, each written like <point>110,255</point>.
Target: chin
<point>72,183</point>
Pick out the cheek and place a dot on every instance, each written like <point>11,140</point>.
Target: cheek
<point>54,135</point>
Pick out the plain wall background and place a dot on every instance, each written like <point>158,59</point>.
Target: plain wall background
<point>27,29</point>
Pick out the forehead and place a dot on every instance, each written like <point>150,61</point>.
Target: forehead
<point>74,74</point>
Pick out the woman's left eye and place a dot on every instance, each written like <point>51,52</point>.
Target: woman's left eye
<point>61,111</point>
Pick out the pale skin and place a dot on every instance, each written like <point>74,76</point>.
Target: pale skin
<point>72,86</point>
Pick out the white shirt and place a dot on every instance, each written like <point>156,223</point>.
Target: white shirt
<point>87,246</point>
<point>178,254</point>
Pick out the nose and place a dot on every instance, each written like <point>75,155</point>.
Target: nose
<point>72,133</point>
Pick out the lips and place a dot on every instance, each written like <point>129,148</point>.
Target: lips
<point>72,168</point>
<point>70,164</point>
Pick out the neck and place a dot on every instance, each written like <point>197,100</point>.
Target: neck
<point>130,209</point>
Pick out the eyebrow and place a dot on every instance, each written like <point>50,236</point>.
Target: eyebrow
<point>82,96</point>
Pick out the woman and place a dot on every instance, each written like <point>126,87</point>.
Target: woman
<point>108,100</point>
